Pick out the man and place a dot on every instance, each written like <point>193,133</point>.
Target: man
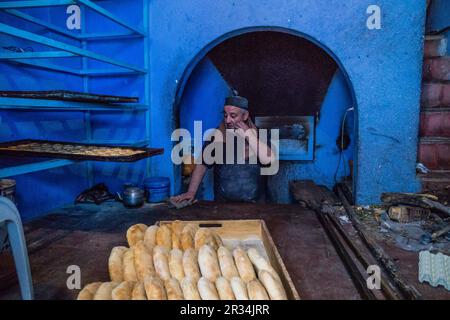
<point>235,181</point>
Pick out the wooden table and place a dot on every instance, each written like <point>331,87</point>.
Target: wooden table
<point>83,235</point>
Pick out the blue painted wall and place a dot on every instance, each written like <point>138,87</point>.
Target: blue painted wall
<point>202,100</point>
<point>383,67</point>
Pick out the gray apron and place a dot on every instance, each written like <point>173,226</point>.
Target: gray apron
<point>238,182</point>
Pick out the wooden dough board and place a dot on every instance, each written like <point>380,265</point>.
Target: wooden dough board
<point>250,233</point>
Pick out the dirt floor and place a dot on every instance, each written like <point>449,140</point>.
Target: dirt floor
<point>83,235</point>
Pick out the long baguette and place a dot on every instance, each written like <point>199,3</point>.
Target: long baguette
<point>207,289</point>
<point>273,287</point>
<point>104,292</point>
<point>161,262</point>
<point>239,288</point>
<point>154,288</point>
<point>89,290</point>
<point>224,289</point>
<point>226,262</point>
<point>143,261</point>
<point>135,233</point>
<point>208,262</point>
<point>173,289</point>
<point>115,263</point>
<point>189,288</point>
<point>150,236</point>
<point>129,270</point>
<point>244,265</point>
<point>256,290</point>
<point>190,264</point>
<point>176,264</point>
<point>123,291</point>
<point>138,292</point>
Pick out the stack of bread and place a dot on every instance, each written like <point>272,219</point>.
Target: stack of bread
<point>181,261</point>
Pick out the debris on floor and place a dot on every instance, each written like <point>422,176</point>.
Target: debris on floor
<point>434,269</point>
<point>97,194</point>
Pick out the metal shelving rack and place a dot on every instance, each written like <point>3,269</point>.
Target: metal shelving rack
<point>64,50</point>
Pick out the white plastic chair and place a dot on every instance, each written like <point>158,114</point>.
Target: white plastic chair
<point>10,215</point>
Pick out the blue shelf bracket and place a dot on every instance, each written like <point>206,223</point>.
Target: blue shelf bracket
<point>8,5</point>
<point>30,104</point>
<point>4,28</point>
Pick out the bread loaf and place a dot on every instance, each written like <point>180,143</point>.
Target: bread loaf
<point>154,288</point>
<point>208,262</point>
<point>218,240</point>
<point>89,290</point>
<point>150,237</point>
<point>143,261</point>
<point>177,227</point>
<point>115,263</point>
<point>164,237</point>
<point>224,289</point>
<point>239,288</point>
<point>244,265</point>
<point>189,288</point>
<point>207,289</point>
<point>187,236</point>
<point>226,263</point>
<point>273,287</point>
<point>129,271</point>
<point>173,289</point>
<point>205,236</point>
<point>161,262</point>
<point>176,264</point>
<point>176,241</point>
<point>138,292</point>
<point>261,263</point>
<point>256,290</point>
<point>123,291</point>
<point>136,233</point>
<point>190,264</point>
<point>104,291</point>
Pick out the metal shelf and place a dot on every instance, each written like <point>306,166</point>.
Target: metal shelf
<point>64,47</point>
<point>40,165</point>
<point>72,35</point>
<point>87,3</point>
<point>64,50</point>
<point>42,104</point>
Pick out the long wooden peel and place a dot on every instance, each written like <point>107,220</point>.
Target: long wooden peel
<point>388,288</point>
<point>356,273</point>
<point>408,290</point>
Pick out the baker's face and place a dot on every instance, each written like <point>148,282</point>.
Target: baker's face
<point>233,115</point>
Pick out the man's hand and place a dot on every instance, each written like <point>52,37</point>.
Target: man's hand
<point>241,125</point>
<point>184,196</point>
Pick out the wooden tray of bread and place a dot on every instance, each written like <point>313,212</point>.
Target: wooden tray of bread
<point>195,260</point>
<point>75,151</point>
